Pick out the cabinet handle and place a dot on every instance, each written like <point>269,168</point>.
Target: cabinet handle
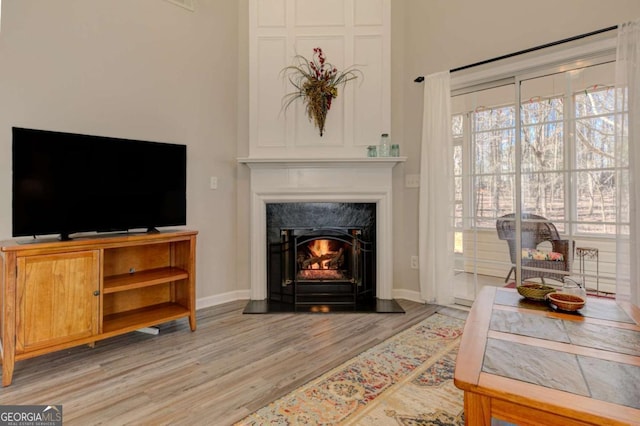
<point>96,293</point>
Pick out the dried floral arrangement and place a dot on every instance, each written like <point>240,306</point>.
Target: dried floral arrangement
<point>316,82</point>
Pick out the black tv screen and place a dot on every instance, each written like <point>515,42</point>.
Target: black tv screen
<point>66,183</point>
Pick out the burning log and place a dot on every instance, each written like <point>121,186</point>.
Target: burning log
<point>335,260</point>
<point>316,259</point>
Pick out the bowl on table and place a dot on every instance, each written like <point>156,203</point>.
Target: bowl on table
<point>566,301</point>
<point>534,291</point>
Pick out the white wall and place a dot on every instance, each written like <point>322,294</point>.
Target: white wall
<point>143,69</point>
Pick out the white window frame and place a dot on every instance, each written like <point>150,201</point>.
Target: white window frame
<point>514,71</point>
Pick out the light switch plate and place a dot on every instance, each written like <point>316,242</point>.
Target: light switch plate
<point>412,181</point>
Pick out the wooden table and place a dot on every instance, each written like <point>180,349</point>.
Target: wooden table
<point>524,362</point>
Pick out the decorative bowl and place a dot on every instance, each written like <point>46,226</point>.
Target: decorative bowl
<point>534,291</point>
<point>566,301</point>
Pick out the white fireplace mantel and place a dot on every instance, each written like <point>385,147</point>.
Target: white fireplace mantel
<point>360,180</point>
<point>287,163</point>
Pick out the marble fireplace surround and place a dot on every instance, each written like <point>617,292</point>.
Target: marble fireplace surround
<point>354,180</point>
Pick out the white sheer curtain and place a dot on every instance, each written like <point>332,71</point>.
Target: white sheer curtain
<point>628,243</point>
<point>435,239</point>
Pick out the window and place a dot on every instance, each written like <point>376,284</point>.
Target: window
<point>543,160</point>
<point>595,160</point>
<point>566,164</point>
<point>493,167</point>
<point>546,133</point>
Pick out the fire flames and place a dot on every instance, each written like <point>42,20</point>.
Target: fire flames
<point>322,263</point>
<point>318,249</point>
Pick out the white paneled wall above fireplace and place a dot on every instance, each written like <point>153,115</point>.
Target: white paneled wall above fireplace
<point>350,32</point>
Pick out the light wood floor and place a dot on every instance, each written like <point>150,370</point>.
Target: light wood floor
<point>232,365</point>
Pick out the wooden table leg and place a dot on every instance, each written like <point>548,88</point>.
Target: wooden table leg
<point>477,409</point>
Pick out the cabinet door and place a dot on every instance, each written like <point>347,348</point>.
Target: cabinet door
<point>55,299</point>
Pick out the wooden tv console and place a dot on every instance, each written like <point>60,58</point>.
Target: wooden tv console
<point>60,294</point>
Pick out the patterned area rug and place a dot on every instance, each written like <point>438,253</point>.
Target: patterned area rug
<point>406,380</point>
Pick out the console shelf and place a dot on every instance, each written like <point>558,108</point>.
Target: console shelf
<point>110,285</point>
<point>143,317</point>
<point>140,279</point>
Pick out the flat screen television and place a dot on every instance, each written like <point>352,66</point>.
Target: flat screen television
<point>66,183</point>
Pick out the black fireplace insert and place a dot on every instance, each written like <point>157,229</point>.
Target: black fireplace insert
<point>321,253</point>
<point>313,266</point>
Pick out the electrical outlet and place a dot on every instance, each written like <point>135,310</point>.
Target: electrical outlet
<point>213,182</point>
<point>412,181</point>
<point>414,262</point>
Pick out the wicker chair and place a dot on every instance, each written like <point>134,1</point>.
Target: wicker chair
<point>534,233</point>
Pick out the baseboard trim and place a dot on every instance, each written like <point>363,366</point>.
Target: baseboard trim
<point>232,296</point>
<point>411,295</point>
<point>219,299</point>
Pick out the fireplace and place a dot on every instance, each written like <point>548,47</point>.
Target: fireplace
<point>321,253</point>
<point>320,180</point>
